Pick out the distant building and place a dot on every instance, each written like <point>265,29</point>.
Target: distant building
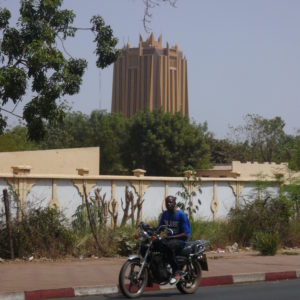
<point>150,77</point>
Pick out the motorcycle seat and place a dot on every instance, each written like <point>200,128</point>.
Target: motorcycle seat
<point>193,246</point>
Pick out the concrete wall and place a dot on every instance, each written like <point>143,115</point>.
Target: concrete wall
<point>57,161</point>
<point>55,178</point>
<point>217,196</point>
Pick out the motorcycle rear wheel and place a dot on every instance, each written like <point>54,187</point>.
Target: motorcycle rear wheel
<point>130,286</point>
<point>190,282</point>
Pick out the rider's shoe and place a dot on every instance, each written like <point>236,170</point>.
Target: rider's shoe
<point>176,277</point>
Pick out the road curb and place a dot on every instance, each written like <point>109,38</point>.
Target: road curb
<point>216,280</point>
<point>114,289</point>
<point>98,290</point>
<point>48,294</point>
<point>13,296</point>
<point>252,277</point>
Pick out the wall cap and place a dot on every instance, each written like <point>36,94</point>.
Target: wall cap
<point>139,172</point>
<point>21,169</point>
<point>83,171</point>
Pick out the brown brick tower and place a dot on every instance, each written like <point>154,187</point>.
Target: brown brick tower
<point>150,77</point>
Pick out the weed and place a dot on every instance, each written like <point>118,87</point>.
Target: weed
<point>267,243</point>
<point>215,232</point>
<point>42,232</point>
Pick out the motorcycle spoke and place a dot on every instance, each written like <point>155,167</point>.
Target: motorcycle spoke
<point>133,283</point>
<point>130,286</point>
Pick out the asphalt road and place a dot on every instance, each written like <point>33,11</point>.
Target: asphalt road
<point>279,290</point>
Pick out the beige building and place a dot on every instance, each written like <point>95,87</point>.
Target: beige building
<point>48,162</point>
<point>150,77</point>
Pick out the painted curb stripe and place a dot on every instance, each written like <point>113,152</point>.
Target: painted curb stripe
<point>281,275</point>
<point>13,296</point>
<point>216,280</point>
<point>155,287</point>
<point>98,290</point>
<point>252,277</point>
<point>298,274</point>
<point>46,294</point>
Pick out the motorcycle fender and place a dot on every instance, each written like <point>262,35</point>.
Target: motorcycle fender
<point>134,257</point>
<point>203,262</point>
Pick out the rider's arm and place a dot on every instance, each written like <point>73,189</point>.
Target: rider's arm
<point>162,220</point>
<point>186,226</point>
<point>180,236</point>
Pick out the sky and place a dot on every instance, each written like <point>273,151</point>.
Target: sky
<point>243,55</point>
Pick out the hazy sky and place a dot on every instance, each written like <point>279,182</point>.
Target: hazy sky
<point>243,55</point>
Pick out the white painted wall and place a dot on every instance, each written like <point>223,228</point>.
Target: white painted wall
<point>226,199</point>
<point>69,197</point>
<point>40,194</point>
<point>154,198</point>
<point>205,196</point>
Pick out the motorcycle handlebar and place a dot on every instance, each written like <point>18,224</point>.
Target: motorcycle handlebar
<point>151,230</point>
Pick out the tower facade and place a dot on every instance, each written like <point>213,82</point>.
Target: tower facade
<point>150,77</point>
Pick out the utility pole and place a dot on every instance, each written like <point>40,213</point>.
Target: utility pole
<point>8,223</point>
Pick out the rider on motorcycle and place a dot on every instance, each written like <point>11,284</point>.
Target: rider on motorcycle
<point>176,220</point>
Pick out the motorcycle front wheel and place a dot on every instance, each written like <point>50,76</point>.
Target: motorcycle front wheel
<point>191,280</point>
<point>130,285</point>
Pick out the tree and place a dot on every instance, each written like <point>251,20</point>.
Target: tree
<point>165,144</point>
<point>224,152</point>
<point>32,64</point>
<point>16,140</point>
<point>294,162</point>
<point>266,138</point>
<point>108,131</point>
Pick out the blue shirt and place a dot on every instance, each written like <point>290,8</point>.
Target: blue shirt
<point>176,221</point>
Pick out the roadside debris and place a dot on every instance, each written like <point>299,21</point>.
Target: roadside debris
<point>233,248</point>
<point>220,250</point>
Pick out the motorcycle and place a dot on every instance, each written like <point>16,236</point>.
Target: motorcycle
<point>151,265</point>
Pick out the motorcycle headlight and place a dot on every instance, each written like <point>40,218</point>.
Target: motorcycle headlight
<point>143,236</point>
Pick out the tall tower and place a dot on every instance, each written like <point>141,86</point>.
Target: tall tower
<point>150,77</point>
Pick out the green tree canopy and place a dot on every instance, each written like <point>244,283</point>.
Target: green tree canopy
<point>107,131</point>
<point>16,140</point>
<point>295,154</point>
<point>223,151</point>
<point>165,144</point>
<point>266,138</point>
<point>33,66</point>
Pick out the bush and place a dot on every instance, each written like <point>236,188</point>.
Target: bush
<point>263,215</point>
<point>292,239</point>
<point>214,232</point>
<point>267,243</point>
<point>43,232</point>
<point>118,241</point>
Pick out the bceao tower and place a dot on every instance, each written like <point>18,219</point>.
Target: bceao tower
<point>150,77</point>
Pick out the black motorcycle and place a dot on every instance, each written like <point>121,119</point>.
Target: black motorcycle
<point>151,265</point>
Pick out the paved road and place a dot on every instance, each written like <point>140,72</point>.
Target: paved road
<point>279,290</point>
